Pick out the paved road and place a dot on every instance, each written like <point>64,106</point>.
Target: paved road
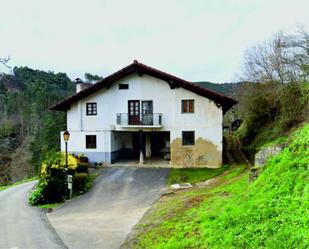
<point>103,217</point>
<point>23,226</point>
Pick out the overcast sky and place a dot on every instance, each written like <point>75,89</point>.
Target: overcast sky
<point>198,40</point>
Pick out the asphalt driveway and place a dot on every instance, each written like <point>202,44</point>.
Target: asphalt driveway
<point>103,217</point>
<point>23,226</point>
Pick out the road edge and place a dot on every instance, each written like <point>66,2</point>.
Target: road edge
<point>131,234</point>
<point>51,227</point>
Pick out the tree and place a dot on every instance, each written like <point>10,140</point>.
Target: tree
<point>284,58</point>
<point>298,45</point>
<point>92,77</point>
<point>279,99</point>
<point>27,108</point>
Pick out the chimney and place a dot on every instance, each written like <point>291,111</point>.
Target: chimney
<point>81,85</point>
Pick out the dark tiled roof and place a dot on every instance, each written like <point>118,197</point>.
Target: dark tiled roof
<point>140,69</point>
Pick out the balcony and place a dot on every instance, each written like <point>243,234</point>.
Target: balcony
<point>152,120</point>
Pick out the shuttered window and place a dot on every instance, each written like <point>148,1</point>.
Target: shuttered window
<point>187,106</point>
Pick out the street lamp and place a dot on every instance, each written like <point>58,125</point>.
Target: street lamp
<point>66,136</point>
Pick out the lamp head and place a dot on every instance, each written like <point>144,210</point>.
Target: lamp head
<point>66,136</point>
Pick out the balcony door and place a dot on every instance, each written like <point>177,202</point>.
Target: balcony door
<point>147,112</point>
<point>134,112</point>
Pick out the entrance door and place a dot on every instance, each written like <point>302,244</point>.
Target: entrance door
<point>134,112</point>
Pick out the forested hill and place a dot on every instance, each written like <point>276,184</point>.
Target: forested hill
<point>229,89</point>
<point>27,128</point>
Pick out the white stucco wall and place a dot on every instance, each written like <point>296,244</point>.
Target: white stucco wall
<point>167,101</point>
<point>206,120</point>
<point>77,145</point>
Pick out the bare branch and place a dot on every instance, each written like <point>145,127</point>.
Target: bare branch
<point>4,61</point>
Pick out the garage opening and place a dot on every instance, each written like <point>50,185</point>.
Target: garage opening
<point>155,147</point>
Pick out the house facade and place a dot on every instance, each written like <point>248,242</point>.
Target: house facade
<point>139,113</point>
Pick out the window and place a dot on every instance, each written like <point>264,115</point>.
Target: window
<point>188,138</point>
<point>91,141</point>
<point>123,86</point>
<point>187,106</point>
<point>91,108</point>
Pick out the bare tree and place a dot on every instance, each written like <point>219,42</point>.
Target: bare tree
<point>283,58</point>
<point>298,47</point>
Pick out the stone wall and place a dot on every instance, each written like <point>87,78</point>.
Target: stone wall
<point>265,153</point>
<point>260,159</point>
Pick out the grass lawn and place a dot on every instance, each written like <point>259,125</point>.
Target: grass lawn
<point>17,183</point>
<point>176,221</point>
<point>194,175</point>
<point>49,205</point>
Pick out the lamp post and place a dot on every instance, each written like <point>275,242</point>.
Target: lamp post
<point>66,136</point>
<point>141,146</point>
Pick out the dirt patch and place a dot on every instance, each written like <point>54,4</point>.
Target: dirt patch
<point>203,154</point>
<point>193,202</point>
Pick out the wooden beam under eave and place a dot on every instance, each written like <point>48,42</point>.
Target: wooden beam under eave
<point>172,84</point>
<point>139,72</point>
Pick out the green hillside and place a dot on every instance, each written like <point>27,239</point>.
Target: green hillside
<point>272,212</point>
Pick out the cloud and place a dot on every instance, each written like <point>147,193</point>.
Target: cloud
<point>197,40</point>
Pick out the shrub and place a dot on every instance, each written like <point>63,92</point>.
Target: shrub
<point>82,168</point>
<point>55,187</point>
<point>81,158</point>
<point>89,181</point>
<point>272,112</point>
<point>36,196</point>
<point>51,187</point>
<point>79,182</point>
<point>293,104</point>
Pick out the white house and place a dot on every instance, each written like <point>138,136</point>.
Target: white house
<point>140,112</point>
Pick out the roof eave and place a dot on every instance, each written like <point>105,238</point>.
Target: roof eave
<point>226,102</point>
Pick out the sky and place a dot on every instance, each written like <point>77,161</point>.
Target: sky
<point>198,40</point>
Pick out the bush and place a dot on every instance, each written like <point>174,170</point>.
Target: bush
<point>55,187</point>
<point>51,187</point>
<point>81,158</point>
<point>36,196</point>
<point>89,181</point>
<point>293,104</point>
<point>272,110</point>
<point>79,182</point>
<point>82,168</point>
